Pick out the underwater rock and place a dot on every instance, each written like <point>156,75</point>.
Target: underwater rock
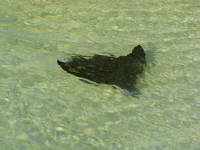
<point>121,71</point>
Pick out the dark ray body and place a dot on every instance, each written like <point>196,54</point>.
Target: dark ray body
<point>121,71</point>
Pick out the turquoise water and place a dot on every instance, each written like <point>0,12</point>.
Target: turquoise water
<point>44,108</point>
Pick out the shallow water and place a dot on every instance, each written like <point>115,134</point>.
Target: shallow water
<point>43,107</point>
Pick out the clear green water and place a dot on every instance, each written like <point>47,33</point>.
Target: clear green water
<point>44,108</point>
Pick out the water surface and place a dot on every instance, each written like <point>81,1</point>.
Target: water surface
<point>43,107</point>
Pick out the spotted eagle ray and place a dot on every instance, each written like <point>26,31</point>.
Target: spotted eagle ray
<point>121,71</point>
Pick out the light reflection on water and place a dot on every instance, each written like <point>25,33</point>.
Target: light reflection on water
<point>43,107</point>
